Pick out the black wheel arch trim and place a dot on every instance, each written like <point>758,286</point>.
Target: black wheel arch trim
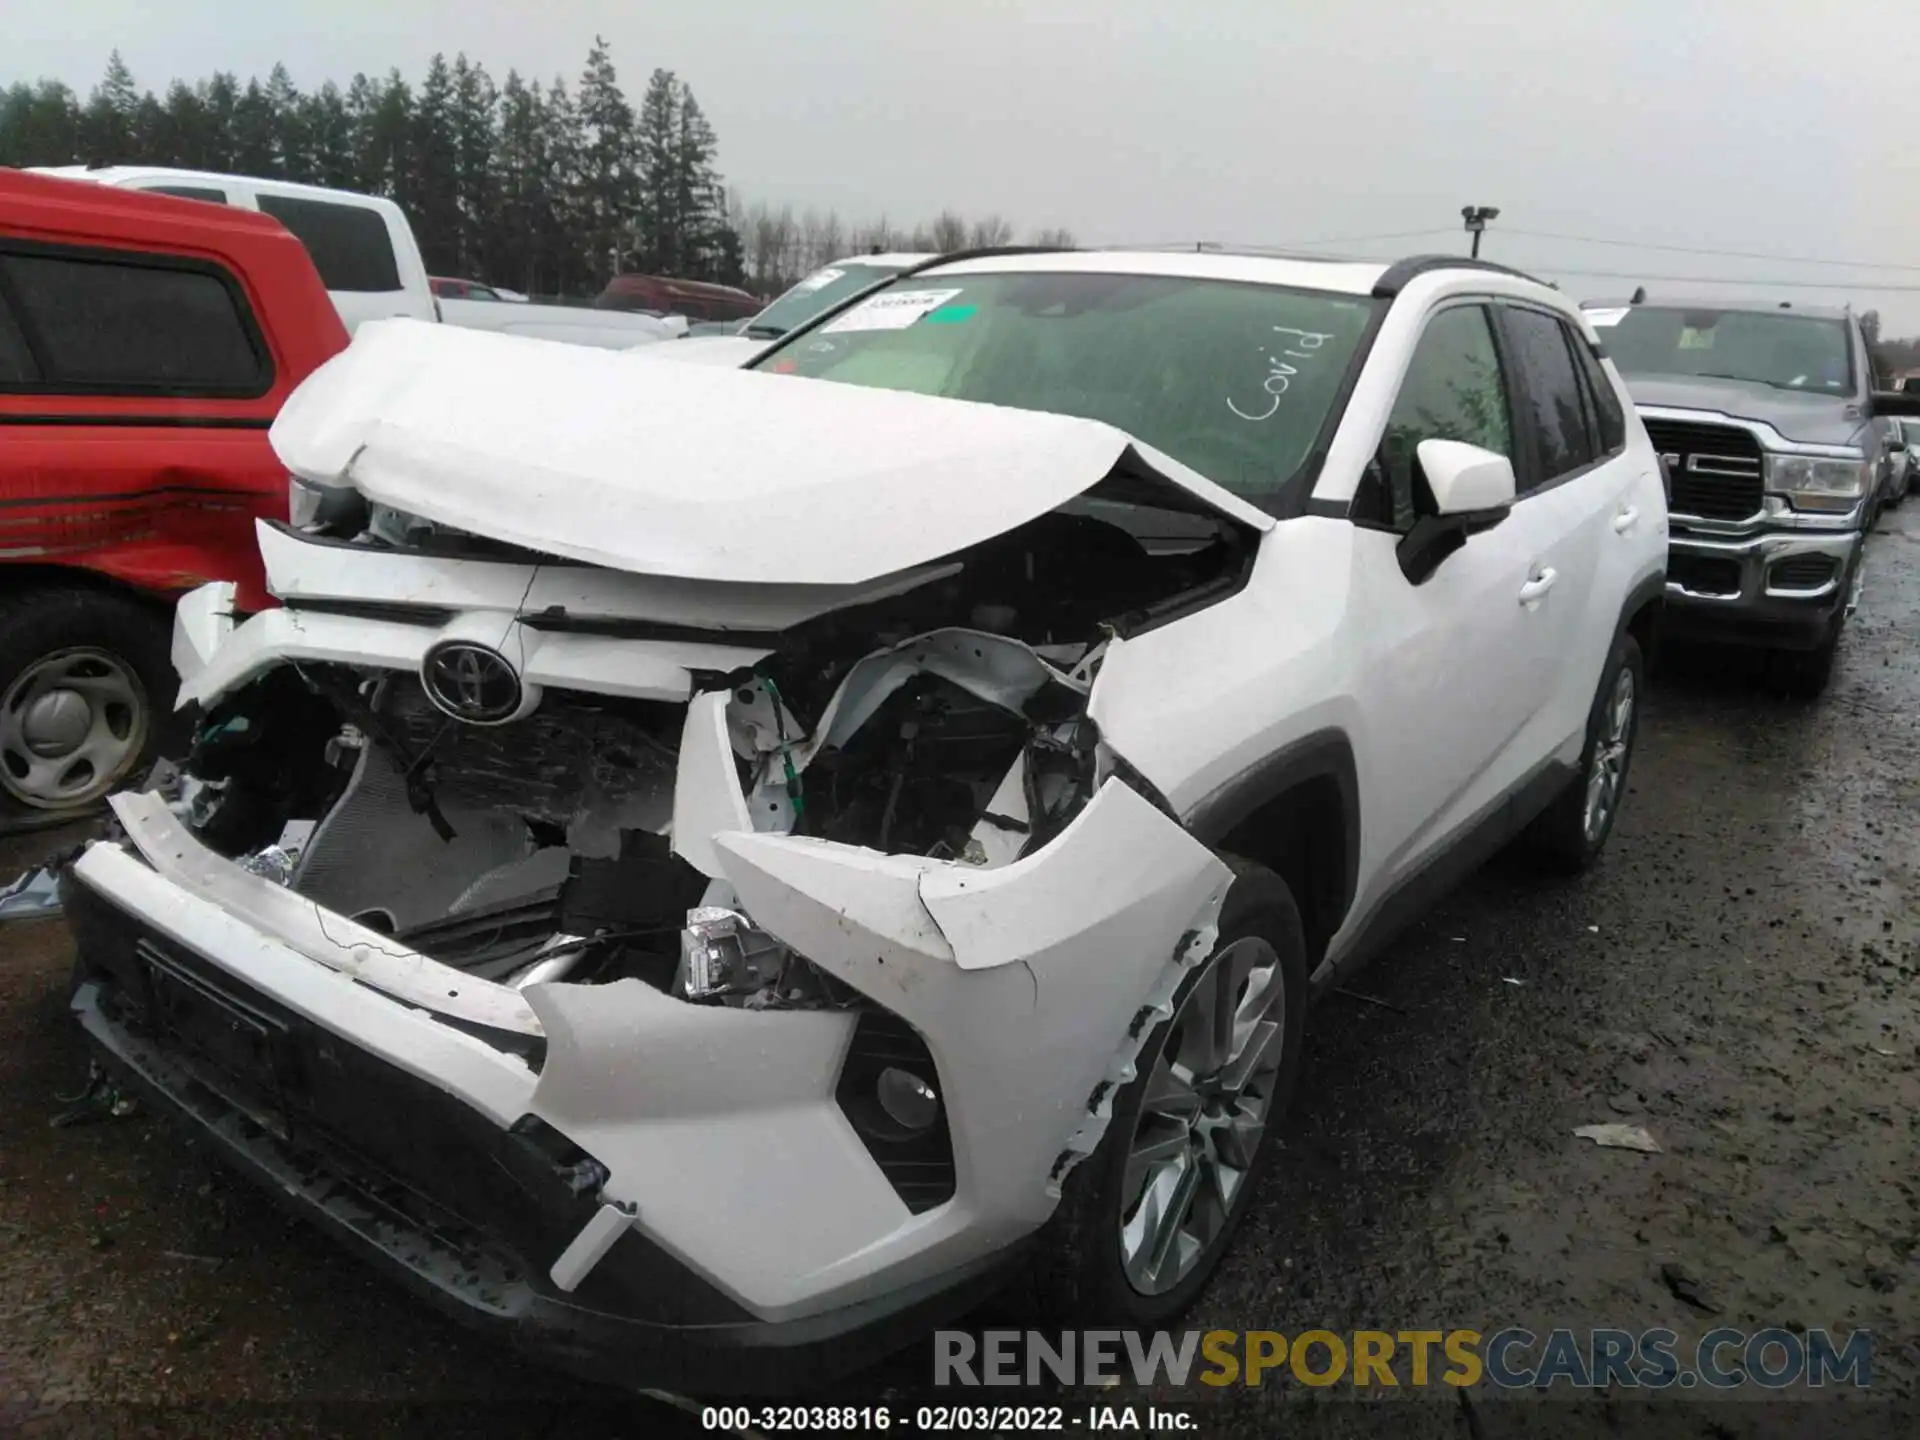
<point>1325,754</point>
<point>1650,591</point>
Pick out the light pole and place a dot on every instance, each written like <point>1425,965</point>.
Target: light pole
<point>1477,217</point>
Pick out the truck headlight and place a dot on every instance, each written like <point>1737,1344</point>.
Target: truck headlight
<point>1811,483</point>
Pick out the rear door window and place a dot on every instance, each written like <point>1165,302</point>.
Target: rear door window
<point>1547,395</point>
<point>96,324</point>
<point>349,244</point>
<point>1609,416</point>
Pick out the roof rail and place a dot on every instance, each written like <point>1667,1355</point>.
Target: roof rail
<point>983,252</point>
<point>1402,272</point>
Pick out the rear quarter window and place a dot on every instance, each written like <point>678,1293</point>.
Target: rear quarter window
<point>349,244</point>
<point>94,323</point>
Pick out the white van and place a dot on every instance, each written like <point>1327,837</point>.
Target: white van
<point>362,245</point>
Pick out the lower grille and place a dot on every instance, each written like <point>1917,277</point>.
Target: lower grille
<point>1704,574</point>
<point>1802,572</point>
<point>1715,469</point>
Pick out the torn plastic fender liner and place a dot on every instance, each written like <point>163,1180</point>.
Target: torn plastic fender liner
<point>1053,959</point>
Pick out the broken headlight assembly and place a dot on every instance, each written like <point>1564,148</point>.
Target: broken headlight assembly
<point>889,1089</point>
<point>324,509</point>
<point>726,958</point>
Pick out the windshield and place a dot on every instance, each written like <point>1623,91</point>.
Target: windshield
<point>1233,379</point>
<point>820,291</point>
<point>1790,352</point>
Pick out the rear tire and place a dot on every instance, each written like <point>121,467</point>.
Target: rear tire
<point>1095,1257</point>
<point>1572,831</point>
<point>86,684</point>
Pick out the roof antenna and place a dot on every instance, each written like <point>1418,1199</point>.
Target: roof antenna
<point>1639,295</point>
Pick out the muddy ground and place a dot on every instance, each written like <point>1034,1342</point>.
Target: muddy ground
<point>1738,976</point>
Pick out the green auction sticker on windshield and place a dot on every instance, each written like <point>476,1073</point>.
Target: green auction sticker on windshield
<point>953,314</point>
<point>890,310</point>
<point>1695,339</point>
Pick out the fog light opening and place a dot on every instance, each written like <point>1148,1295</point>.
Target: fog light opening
<point>906,1099</point>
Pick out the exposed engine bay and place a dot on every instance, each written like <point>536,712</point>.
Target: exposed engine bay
<point>947,721</point>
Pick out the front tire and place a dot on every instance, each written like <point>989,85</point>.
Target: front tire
<point>86,679</point>
<point>1572,831</point>
<point>1144,1221</point>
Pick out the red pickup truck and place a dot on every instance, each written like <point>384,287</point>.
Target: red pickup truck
<point>146,343</point>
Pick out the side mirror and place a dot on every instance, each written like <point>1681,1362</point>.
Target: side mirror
<point>1465,479</point>
<point>1473,489</point>
<point>1895,404</point>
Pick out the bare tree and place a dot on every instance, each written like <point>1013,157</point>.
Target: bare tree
<point>990,231</point>
<point>948,232</point>
<point>808,243</point>
<point>1058,236</point>
<point>832,237</point>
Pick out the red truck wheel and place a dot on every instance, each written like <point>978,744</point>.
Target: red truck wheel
<point>86,681</point>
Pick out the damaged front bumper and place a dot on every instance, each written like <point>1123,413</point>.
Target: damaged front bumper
<point>466,1212</point>
<point>633,1184</point>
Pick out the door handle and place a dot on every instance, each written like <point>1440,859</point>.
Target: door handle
<point>1538,586</point>
<point>1626,519</point>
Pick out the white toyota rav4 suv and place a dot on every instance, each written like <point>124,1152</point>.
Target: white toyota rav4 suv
<point>712,870</point>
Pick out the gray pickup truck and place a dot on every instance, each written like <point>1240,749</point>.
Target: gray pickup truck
<point>1777,452</point>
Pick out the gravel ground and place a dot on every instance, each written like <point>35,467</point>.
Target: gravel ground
<point>1737,976</point>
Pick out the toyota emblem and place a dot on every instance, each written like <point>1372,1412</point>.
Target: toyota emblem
<point>471,682</point>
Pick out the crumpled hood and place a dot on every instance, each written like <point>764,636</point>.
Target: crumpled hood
<point>1806,416</point>
<point>695,471</point>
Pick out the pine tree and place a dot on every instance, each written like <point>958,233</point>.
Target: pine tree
<point>328,121</point>
<point>607,178</point>
<point>656,149</point>
<point>185,129</point>
<point>700,217</point>
<point>432,199</point>
<point>221,107</point>
<point>256,146</point>
<point>39,125</point>
<point>518,250</point>
<point>475,140</point>
<point>154,141</point>
<point>106,126</point>
<point>292,145</point>
<point>564,219</point>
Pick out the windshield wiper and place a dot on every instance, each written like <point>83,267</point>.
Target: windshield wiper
<point>1750,380</point>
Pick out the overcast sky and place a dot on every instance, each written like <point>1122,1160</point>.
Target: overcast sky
<point>1776,126</point>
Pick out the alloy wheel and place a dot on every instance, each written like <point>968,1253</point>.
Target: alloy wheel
<point>1606,772</point>
<point>1203,1116</point>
